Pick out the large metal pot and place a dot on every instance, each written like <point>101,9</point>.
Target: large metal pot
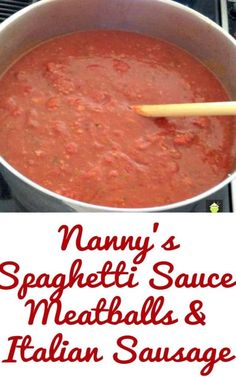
<point>161,18</point>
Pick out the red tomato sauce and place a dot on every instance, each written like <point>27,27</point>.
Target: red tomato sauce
<point>66,122</point>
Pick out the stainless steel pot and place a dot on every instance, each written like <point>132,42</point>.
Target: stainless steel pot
<point>159,18</point>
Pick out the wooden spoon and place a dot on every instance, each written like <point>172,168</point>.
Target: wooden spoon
<point>187,109</point>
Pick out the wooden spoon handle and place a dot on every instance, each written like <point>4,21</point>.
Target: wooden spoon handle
<point>187,109</point>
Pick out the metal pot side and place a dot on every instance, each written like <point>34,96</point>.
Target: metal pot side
<point>159,18</point>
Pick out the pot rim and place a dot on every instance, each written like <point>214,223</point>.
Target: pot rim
<point>73,203</point>
<point>172,3</point>
<point>93,207</point>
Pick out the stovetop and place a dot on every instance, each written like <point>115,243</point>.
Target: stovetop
<point>221,11</point>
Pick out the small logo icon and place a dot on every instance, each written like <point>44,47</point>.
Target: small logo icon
<point>214,206</point>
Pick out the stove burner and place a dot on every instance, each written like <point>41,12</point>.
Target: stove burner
<point>210,8</point>
<point>9,7</point>
<point>5,192</point>
<point>232,11</point>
